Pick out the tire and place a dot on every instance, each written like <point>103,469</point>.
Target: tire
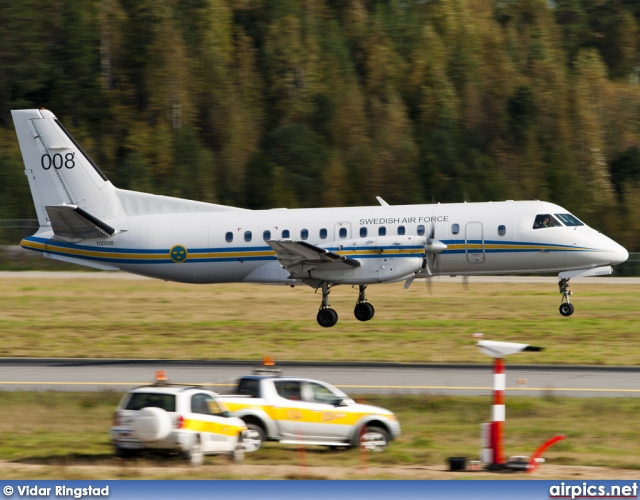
<point>327,317</point>
<point>254,436</point>
<point>195,455</point>
<point>364,311</point>
<point>237,455</point>
<point>566,309</point>
<point>151,424</point>
<point>374,439</point>
<point>125,452</point>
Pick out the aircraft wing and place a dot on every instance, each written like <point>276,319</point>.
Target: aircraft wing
<point>71,223</point>
<point>299,256</point>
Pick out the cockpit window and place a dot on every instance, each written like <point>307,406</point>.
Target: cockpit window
<point>545,220</point>
<point>569,220</point>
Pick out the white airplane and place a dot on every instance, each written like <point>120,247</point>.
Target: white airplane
<point>86,220</point>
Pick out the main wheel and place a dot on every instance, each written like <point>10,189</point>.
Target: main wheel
<point>253,438</point>
<point>327,317</point>
<point>364,311</point>
<point>566,309</point>
<point>374,439</point>
<point>195,456</point>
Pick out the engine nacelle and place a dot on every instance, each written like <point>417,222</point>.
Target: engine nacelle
<point>383,259</point>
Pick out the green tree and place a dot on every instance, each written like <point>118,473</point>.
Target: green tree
<point>25,68</point>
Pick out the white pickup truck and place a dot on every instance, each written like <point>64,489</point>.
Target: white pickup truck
<point>309,412</point>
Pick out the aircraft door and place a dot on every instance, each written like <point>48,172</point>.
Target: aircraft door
<point>474,242</point>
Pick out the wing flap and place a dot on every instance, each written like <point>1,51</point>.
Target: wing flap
<point>300,256</point>
<point>71,223</point>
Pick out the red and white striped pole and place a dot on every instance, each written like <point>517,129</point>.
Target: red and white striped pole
<point>492,452</point>
<point>498,412</point>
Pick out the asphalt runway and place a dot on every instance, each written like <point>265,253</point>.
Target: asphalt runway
<point>353,378</point>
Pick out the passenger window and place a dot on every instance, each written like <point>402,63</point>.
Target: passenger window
<point>288,389</point>
<point>545,220</point>
<point>502,230</point>
<point>266,235</point>
<point>363,232</point>
<point>304,234</point>
<point>247,236</point>
<point>382,231</point>
<point>285,233</point>
<point>228,237</point>
<point>400,230</point>
<point>200,404</point>
<point>455,228</point>
<point>421,230</point>
<point>323,234</point>
<point>343,233</point>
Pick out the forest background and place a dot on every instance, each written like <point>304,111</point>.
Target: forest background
<point>304,103</point>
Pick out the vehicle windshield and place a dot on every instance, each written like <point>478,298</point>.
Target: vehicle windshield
<point>326,393</point>
<point>569,220</point>
<point>545,220</point>
<point>141,400</point>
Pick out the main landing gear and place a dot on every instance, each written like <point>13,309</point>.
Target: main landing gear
<point>327,317</point>
<point>363,310</point>
<point>566,308</point>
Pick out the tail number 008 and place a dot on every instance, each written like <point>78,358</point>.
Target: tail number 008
<point>57,161</point>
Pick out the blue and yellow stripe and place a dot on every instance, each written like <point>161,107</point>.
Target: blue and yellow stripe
<point>109,255</point>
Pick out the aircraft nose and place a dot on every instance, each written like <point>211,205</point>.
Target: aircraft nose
<point>617,254</point>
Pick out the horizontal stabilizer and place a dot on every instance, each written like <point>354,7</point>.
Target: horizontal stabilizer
<point>71,223</point>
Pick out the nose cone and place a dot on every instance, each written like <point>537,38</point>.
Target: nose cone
<point>617,253</point>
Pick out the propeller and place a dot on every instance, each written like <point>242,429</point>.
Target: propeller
<point>432,248</point>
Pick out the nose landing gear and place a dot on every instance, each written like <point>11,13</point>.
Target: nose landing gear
<point>566,308</point>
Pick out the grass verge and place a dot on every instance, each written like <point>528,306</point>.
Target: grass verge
<point>55,435</point>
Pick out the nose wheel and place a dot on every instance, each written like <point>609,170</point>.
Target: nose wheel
<point>566,308</point>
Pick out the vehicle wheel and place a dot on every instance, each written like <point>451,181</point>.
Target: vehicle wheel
<point>237,455</point>
<point>253,438</point>
<point>327,317</point>
<point>374,439</point>
<point>566,309</point>
<point>364,311</point>
<point>195,455</point>
<point>124,452</point>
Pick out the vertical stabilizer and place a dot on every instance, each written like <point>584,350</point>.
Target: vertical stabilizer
<point>58,169</point>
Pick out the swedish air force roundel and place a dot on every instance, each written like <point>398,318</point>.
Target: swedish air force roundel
<point>178,253</point>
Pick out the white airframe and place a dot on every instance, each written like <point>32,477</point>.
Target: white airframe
<point>84,219</point>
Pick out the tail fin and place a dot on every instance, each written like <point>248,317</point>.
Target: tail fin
<point>59,171</point>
